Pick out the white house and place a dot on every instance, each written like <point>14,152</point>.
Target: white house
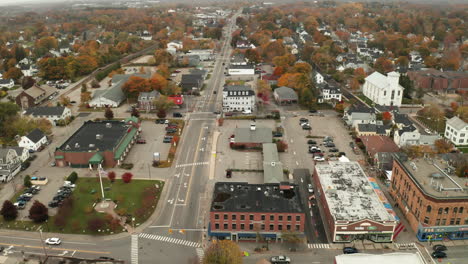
<point>319,78</point>
<point>329,92</point>
<point>7,83</point>
<point>174,46</point>
<point>111,97</point>
<point>33,141</point>
<point>456,130</point>
<point>238,98</point>
<point>411,136</point>
<point>355,115</point>
<point>53,114</point>
<point>241,70</point>
<point>10,164</point>
<point>22,153</point>
<point>384,90</point>
<point>146,35</point>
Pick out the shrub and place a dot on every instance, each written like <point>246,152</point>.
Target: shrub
<point>127,177</point>
<point>73,177</point>
<point>88,209</point>
<point>95,224</point>
<point>111,175</point>
<point>27,181</point>
<point>38,212</point>
<point>126,166</point>
<point>9,211</point>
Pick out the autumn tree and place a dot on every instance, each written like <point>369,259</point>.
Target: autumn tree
<point>135,85</point>
<point>162,56</point>
<point>443,146</point>
<point>383,65</point>
<point>462,112</point>
<point>387,116</point>
<point>108,113</point>
<point>163,70</point>
<point>252,55</point>
<point>162,104</point>
<point>284,61</point>
<point>13,73</point>
<point>223,252</point>
<point>38,212</point>
<point>264,91</point>
<point>158,82</point>
<point>9,211</point>
<point>302,67</point>
<point>27,82</point>
<point>95,224</point>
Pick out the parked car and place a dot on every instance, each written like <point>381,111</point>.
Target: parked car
<point>228,173</point>
<point>280,260</point>
<point>23,198</point>
<point>26,194</point>
<point>306,127</point>
<point>319,158</point>
<point>160,121</point>
<point>333,150</point>
<point>171,130</point>
<point>342,154</point>
<point>439,254</point>
<point>350,250</point>
<point>329,145</point>
<point>69,184</point>
<point>277,134</point>
<point>141,141</point>
<point>303,120</point>
<point>20,205</point>
<point>25,165</point>
<point>310,188</point>
<point>312,111</point>
<point>176,114</point>
<point>311,142</point>
<point>106,258</point>
<point>53,204</point>
<point>53,241</point>
<point>439,247</point>
<point>52,164</point>
<point>327,139</point>
<point>167,139</point>
<point>247,112</point>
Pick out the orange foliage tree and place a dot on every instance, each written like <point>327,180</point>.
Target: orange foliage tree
<point>135,85</point>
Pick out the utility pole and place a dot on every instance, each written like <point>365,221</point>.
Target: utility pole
<point>42,242</point>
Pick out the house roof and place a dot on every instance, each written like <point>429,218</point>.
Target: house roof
<point>259,135</point>
<point>355,108</point>
<point>5,81</point>
<point>402,119</point>
<point>241,66</point>
<point>286,93</point>
<point>191,79</point>
<point>272,167</point>
<point>456,123</point>
<point>36,91</point>
<point>148,95</point>
<point>376,144</point>
<point>35,135</point>
<point>239,88</point>
<point>113,93</point>
<point>19,150</point>
<point>45,111</point>
<point>4,153</point>
<point>379,80</point>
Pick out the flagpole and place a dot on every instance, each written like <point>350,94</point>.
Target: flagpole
<point>100,181</point>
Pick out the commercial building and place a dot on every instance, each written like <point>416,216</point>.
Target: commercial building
<point>10,164</point>
<point>384,90</point>
<point>34,96</point>
<point>240,211</point>
<point>272,166</point>
<point>238,98</point>
<point>353,204</point>
<point>285,95</point>
<point>253,137</point>
<point>456,130</point>
<point>390,258</point>
<point>432,198</point>
<point>98,144</point>
<point>241,70</point>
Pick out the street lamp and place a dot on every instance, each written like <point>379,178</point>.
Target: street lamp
<point>42,242</point>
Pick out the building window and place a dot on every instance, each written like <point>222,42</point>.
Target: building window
<point>216,226</point>
<point>251,217</point>
<point>225,226</point>
<point>466,221</point>
<point>263,217</point>
<point>457,222</point>
<point>233,217</point>
<point>242,226</point>
<point>440,211</point>
<point>437,222</point>
<point>272,217</point>
<point>446,210</point>
<point>280,217</point>
<point>444,221</point>
<point>272,227</point>
<point>462,135</point>
<point>298,227</point>
<point>251,227</point>
<point>288,227</point>
<point>426,220</point>
<point>263,227</point>
<point>216,216</point>
<point>242,217</point>
<point>429,208</point>
<point>455,210</point>
<point>289,218</point>
<point>298,218</point>
<point>461,210</point>
<point>225,217</point>
<point>234,226</point>
<point>452,221</point>
<point>280,227</point>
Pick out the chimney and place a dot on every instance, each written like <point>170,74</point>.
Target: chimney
<point>393,78</point>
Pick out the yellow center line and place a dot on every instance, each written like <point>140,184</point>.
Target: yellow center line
<point>57,249</point>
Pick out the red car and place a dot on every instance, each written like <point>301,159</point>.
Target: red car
<point>141,141</point>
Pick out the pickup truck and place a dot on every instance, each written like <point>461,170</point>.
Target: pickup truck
<point>280,260</point>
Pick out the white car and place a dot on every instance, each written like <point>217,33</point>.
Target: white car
<point>280,259</point>
<point>53,241</point>
<point>319,158</point>
<point>310,188</point>
<point>428,131</point>
<point>246,112</point>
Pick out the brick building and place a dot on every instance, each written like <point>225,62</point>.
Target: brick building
<point>353,204</point>
<point>433,199</point>
<point>438,81</point>
<point>98,144</point>
<point>240,210</point>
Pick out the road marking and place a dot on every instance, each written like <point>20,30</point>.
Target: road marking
<point>56,248</point>
<point>134,249</point>
<point>297,163</point>
<point>200,254</point>
<point>172,240</point>
<point>294,152</point>
<point>38,240</point>
<point>318,245</point>
<point>193,164</point>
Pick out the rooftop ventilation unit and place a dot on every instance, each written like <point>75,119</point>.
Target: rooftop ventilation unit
<point>108,125</point>
<point>92,145</point>
<point>99,136</point>
<point>77,145</point>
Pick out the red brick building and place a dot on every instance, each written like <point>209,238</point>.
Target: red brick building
<point>353,204</point>
<point>98,144</point>
<point>433,199</point>
<point>240,210</point>
<point>437,81</point>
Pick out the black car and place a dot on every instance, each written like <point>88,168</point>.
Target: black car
<point>350,250</point>
<point>167,139</point>
<point>329,145</point>
<point>306,128</point>
<point>228,173</point>
<point>160,121</point>
<point>176,114</point>
<point>277,134</point>
<point>312,111</point>
<point>439,254</point>
<point>311,142</point>
<point>106,258</point>
<point>333,150</point>
<point>24,198</point>
<point>439,247</point>
<point>303,120</point>
<point>171,130</point>
<point>53,204</point>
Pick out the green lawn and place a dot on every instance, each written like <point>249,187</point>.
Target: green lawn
<point>128,196</point>
<point>463,149</point>
<point>435,125</point>
<point>365,99</point>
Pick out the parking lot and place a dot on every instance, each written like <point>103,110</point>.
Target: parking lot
<point>141,155</point>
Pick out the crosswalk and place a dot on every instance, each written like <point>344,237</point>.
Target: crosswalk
<point>405,245</point>
<point>170,240</point>
<point>134,249</point>
<point>192,164</point>
<point>200,254</point>
<point>318,245</point>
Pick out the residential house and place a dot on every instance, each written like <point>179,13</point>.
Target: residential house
<point>356,114</point>
<point>238,59</point>
<point>190,82</point>
<point>383,90</point>
<point>26,70</point>
<point>378,129</point>
<point>34,96</point>
<point>285,95</point>
<point>407,134</point>
<point>174,46</point>
<point>271,79</point>
<point>318,78</point>
<point>456,130</point>
<point>33,141</point>
<point>53,114</point>
<point>146,99</point>
<point>329,92</point>
<point>110,97</point>
<point>7,83</point>
<point>146,35</point>
<point>378,144</point>
<point>238,98</point>
<point>22,153</point>
<point>10,164</point>
<point>244,44</point>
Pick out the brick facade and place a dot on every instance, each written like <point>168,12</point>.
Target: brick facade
<point>437,81</point>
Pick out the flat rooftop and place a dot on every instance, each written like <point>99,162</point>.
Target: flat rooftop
<point>436,178</point>
<point>244,197</point>
<point>390,258</point>
<point>349,193</point>
<point>96,136</point>
<point>247,135</point>
<point>272,167</point>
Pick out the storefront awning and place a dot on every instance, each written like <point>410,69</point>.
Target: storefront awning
<point>59,157</point>
<point>96,159</point>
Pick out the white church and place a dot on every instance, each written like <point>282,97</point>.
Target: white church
<point>384,90</point>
